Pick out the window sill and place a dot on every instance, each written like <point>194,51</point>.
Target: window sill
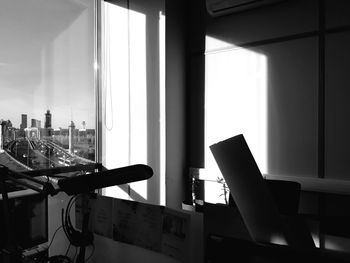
<point>311,184</point>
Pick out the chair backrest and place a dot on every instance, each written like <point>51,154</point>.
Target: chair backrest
<point>250,192</point>
<point>286,195</point>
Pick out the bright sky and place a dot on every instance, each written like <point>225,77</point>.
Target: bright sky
<point>46,61</point>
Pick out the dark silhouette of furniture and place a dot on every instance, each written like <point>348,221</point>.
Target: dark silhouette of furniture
<point>268,219</point>
<point>269,209</point>
<point>286,195</point>
<point>229,249</point>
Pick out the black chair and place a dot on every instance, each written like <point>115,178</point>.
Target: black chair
<point>268,207</point>
<point>286,195</point>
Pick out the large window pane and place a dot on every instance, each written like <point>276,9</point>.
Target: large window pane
<point>133,94</point>
<point>268,94</point>
<point>47,103</point>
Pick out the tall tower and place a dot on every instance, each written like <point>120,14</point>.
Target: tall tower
<point>71,129</point>
<point>24,122</point>
<point>34,123</point>
<point>47,119</point>
<point>2,126</point>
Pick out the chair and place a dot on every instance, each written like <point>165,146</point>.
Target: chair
<point>286,195</point>
<point>268,219</point>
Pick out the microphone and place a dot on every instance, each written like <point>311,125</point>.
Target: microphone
<point>88,182</point>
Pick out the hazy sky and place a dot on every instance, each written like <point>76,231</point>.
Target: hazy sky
<point>46,61</point>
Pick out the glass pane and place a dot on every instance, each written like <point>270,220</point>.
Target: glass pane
<point>47,103</point>
<point>252,91</point>
<point>134,94</point>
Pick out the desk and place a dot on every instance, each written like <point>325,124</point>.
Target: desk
<point>318,185</point>
<point>225,236</point>
<point>221,248</point>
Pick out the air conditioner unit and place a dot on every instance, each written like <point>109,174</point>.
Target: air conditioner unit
<point>224,7</point>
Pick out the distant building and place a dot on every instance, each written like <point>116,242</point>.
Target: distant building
<point>47,131</point>
<point>64,132</point>
<point>47,119</point>
<point>81,135</point>
<point>23,124</point>
<point>71,129</point>
<point>90,132</point>
<point>8,131</point>
<point>32,133</point>
<point>2,127</point>
<point>35,123</point>
<point>12,133</point>
<point>56,132</point>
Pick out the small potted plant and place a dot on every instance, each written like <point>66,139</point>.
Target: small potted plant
<point>225,190</point>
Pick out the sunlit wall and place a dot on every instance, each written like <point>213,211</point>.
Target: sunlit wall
<point>235,102</point>
<point>133,94</point>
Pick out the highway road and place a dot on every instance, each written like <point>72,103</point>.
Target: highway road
<point>40,154</point>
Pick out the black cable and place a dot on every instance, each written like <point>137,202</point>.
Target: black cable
<point>64,226</point>
<point>68,220</point>
<point>75,237</point>
<point>53,237</point>
<point>71,230</point>
<point>68,249</point>
<point>58,258</point>
<point>71,234</point>
<point>75,254</point>
<point>67,230</point>
<point>92,252</point>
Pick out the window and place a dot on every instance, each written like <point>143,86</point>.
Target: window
<point>254,92</point>
<point>235,91</point>
<point>47,83</point>
<point>133,45</point>
<point>52,68</point>
<point>48,91</point>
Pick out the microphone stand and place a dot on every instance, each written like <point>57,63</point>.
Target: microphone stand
<point>84,184</point>
<point>11,253</point>
<point>86,213</point>
<point>85,227</point>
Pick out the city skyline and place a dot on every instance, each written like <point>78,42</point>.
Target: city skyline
<point>17,121</point>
